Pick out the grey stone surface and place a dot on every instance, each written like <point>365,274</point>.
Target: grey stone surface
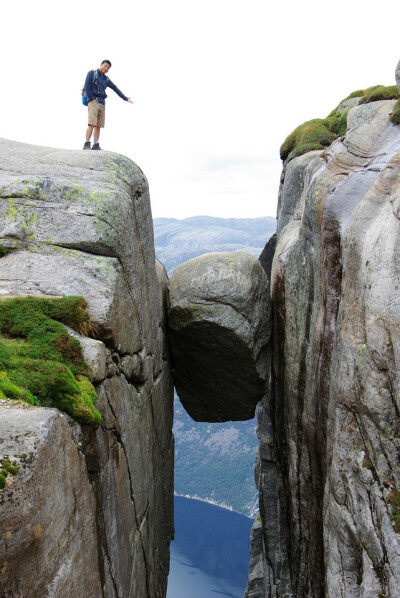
<point>219,330</point>
<point>48,543</point>
<point>130,366</point>
<point>94,353</point>
<point>79,223</point>
<point>348,103</point>
<point>267,255</point>
<point>397,75</point>
<point>329,427</point>
<point>256,584</point>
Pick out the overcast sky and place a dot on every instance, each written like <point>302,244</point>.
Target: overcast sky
<point>217,85</point>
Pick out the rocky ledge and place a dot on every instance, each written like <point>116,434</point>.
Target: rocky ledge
<point>89,509</point>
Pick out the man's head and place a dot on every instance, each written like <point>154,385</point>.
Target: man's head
<point>105,66</point>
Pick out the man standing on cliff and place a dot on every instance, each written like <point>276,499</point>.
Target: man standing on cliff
<point>95,92</point>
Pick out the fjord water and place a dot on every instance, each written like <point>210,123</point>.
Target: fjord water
<point>210,553</point>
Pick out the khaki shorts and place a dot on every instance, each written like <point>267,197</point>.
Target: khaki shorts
<point>97,114</point>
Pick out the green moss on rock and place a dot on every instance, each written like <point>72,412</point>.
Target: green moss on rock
<point>321,132</point>
<point>13,470</point>
<point>394,501</point>
<point>9,390</point>
<point>395,116</point>
<point>40,362</point>
<point>379,92</point>
<point>314,135</point>
<point>6,467</point>
<point>81,405</point>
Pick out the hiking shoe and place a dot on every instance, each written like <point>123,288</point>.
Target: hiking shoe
<point>87,145</point>
<point>96,146</point>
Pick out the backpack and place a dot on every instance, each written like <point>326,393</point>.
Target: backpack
<point>95,76</point>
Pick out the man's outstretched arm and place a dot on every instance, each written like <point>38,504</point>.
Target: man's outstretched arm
<point>118,92</point>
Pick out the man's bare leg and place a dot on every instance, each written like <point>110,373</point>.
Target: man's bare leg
<point>96,136</point>
<point>89,132</point>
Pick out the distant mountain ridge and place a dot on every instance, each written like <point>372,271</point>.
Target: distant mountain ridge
<point>177,241</point>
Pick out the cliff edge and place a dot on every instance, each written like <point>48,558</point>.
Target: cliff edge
<point>86,509</point>
<point>329,429</point>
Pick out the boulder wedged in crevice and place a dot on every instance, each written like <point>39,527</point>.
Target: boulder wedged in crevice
<point>219,330</point>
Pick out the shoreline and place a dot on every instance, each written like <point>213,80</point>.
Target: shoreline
<point>215,504</point>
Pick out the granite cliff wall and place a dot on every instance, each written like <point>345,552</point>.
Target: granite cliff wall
<point>329,428</point>
<point>90,511</point>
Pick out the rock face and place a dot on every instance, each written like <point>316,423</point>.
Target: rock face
<point>219,332</point>
<point>328,469</point>
<point>397,75</point>
<point>51,490</point>
<point>257,584</point>
<point>267,255</point>
<point>79,223</point>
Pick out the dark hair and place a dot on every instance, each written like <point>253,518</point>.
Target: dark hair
<point>107,61</point>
